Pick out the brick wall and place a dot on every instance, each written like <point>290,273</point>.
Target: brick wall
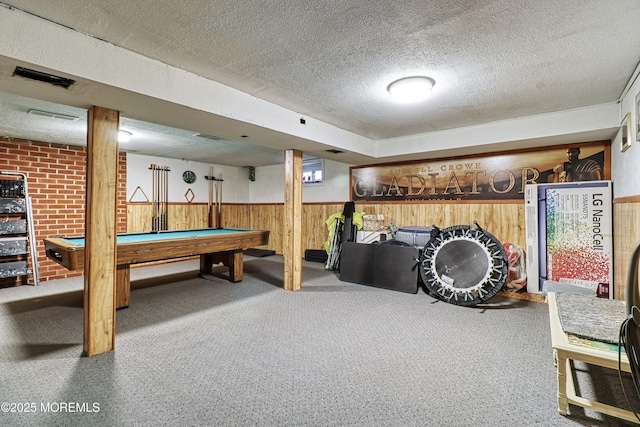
<point>56,183</point>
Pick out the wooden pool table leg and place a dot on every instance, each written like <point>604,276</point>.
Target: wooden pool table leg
<point>123,286</point>
<point>230,259</point>
<point>236,270</point>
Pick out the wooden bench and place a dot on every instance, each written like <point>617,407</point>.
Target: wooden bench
<point>565,352</point>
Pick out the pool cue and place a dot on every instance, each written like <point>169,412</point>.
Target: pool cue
<point>154,211</point>
<point>160,190</point>
<point>165,198</point>
<point>219,201</point>
<point>215,206</point>
<point>213,190</point>
<point>210,223</point>
<point>159,197</point>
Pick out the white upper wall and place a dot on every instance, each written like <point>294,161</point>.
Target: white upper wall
<point>625,176</point>
<point>236,187</point>
<point>269,185</point>
<point>522,132</point>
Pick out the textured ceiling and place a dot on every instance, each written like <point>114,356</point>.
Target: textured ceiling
<point>492,60</point>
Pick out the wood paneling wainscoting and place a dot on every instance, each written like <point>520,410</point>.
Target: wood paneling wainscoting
<point>181,216</point>
<point>626,234</point>
<point>504,220</point>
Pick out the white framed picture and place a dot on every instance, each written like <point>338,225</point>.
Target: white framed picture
<point>626,133</point>
<point>637,133</point>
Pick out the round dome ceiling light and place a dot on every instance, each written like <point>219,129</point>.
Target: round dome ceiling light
<point>124,136</point>
<point>411,89</point>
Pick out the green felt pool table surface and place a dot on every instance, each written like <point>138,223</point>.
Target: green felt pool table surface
<point>135,248</point>
<point>161,235</point>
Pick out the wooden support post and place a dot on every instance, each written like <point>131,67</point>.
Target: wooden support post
<point>292,239</point>
<point>100,231</point>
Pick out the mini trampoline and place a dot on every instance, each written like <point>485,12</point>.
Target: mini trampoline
<point>463,265</point>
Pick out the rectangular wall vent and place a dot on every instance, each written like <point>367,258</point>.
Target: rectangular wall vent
<point>52,115</point>
<point>43,77</point>
<point>204,135</point>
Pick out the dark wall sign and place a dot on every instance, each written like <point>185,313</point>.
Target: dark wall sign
<point>494,177</point>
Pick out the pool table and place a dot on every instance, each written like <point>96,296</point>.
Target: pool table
<point>213,245</point>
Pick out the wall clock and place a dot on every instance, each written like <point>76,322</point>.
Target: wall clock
<point>189,177</point>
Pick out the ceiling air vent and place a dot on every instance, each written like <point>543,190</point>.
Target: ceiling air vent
<point>334,151</point>
<point>43,77</point>
<point>204,135</point>
<point>52,115</point>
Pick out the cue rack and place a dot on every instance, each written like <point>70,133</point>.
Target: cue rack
<point>160,194</point>
<point>215,199</point>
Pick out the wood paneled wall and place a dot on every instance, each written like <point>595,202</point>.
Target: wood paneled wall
<point>181,216</point>
<point>503,220</point>
<point>626,234</point>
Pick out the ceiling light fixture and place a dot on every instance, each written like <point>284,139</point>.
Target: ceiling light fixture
<point>124,136</point>
<point>411,89</point>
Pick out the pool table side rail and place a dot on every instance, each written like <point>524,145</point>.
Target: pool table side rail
<point>72,256</point>
<point>64,253</point>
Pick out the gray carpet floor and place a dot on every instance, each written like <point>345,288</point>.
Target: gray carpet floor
<point>212,353</point>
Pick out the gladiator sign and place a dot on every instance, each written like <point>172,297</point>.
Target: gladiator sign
<point>500,177</point>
